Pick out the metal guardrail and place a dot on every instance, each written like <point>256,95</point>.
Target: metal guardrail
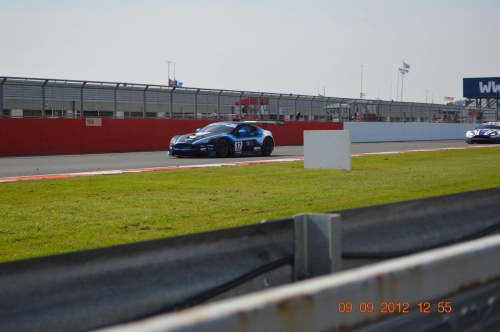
<point>109,286</point>
<point>372,233</point>
<point>456,288</point>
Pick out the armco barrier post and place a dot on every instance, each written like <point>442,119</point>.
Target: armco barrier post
<point>317,245</point>
<point>328,149</point>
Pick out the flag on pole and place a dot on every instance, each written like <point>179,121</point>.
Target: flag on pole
<point>406,65</point>
<point>449,98</point>
<point>363,95</point>
<point>403,71</point>
<point>175,83</point>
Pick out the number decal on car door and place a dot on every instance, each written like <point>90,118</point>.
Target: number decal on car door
<point>238,146</point>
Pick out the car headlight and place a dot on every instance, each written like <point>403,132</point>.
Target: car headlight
<point>494,133</point>
<point>469,134</point>
<point>173,140</point>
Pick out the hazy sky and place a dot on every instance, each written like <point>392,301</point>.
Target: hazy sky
<point>270,46</point>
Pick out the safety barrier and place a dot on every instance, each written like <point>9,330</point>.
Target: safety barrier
<point>450,289</point>
<point>41,136</point>
<point>346,249</point>
<point>41,97</point>
<point>44,97</point>
<point>400,132</point>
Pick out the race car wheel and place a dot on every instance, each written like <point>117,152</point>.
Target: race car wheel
<point>468,142</point>
<point>267,146</point>
<point>222,148</point>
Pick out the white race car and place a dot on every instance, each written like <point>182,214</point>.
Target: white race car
<point>488,132</point>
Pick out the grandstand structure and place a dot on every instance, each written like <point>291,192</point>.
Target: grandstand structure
<point>43,97</point>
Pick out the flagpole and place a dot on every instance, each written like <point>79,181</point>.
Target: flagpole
<point>361,92</point>
<point>403,71</point>
<point>402,84</point>
<point>168,65</point>
<point>397,87</point>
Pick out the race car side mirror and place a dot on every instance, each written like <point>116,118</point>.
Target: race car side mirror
<point>197,130</point>
<point>242,132</point>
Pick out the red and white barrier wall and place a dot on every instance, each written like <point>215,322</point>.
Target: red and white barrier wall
<point>42,136</point>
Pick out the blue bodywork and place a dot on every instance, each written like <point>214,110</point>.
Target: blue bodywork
<point>223,139</point>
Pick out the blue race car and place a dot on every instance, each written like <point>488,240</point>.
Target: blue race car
<point>488,132</point>
<point>223,139</point>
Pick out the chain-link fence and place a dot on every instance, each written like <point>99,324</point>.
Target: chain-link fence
<point>33,97</point>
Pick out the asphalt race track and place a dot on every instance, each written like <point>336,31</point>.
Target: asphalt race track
<point>60,164</point>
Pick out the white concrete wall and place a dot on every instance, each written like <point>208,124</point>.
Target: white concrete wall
<point>397,132</point>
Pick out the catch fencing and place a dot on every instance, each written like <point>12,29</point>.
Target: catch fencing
<point>41,97</point>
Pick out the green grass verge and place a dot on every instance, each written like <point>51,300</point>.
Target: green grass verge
<point>60,215</point>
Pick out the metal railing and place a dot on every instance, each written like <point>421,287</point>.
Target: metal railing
<point>41,97</point>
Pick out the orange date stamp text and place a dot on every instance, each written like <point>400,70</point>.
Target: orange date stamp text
<point>395,307</point>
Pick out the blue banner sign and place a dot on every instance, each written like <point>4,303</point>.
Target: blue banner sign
<point>482,87</point>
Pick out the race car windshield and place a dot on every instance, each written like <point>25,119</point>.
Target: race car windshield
<point>489,127</point>
<point>217,129</point>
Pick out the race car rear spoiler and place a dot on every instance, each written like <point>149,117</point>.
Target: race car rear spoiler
<point>281,123</point>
